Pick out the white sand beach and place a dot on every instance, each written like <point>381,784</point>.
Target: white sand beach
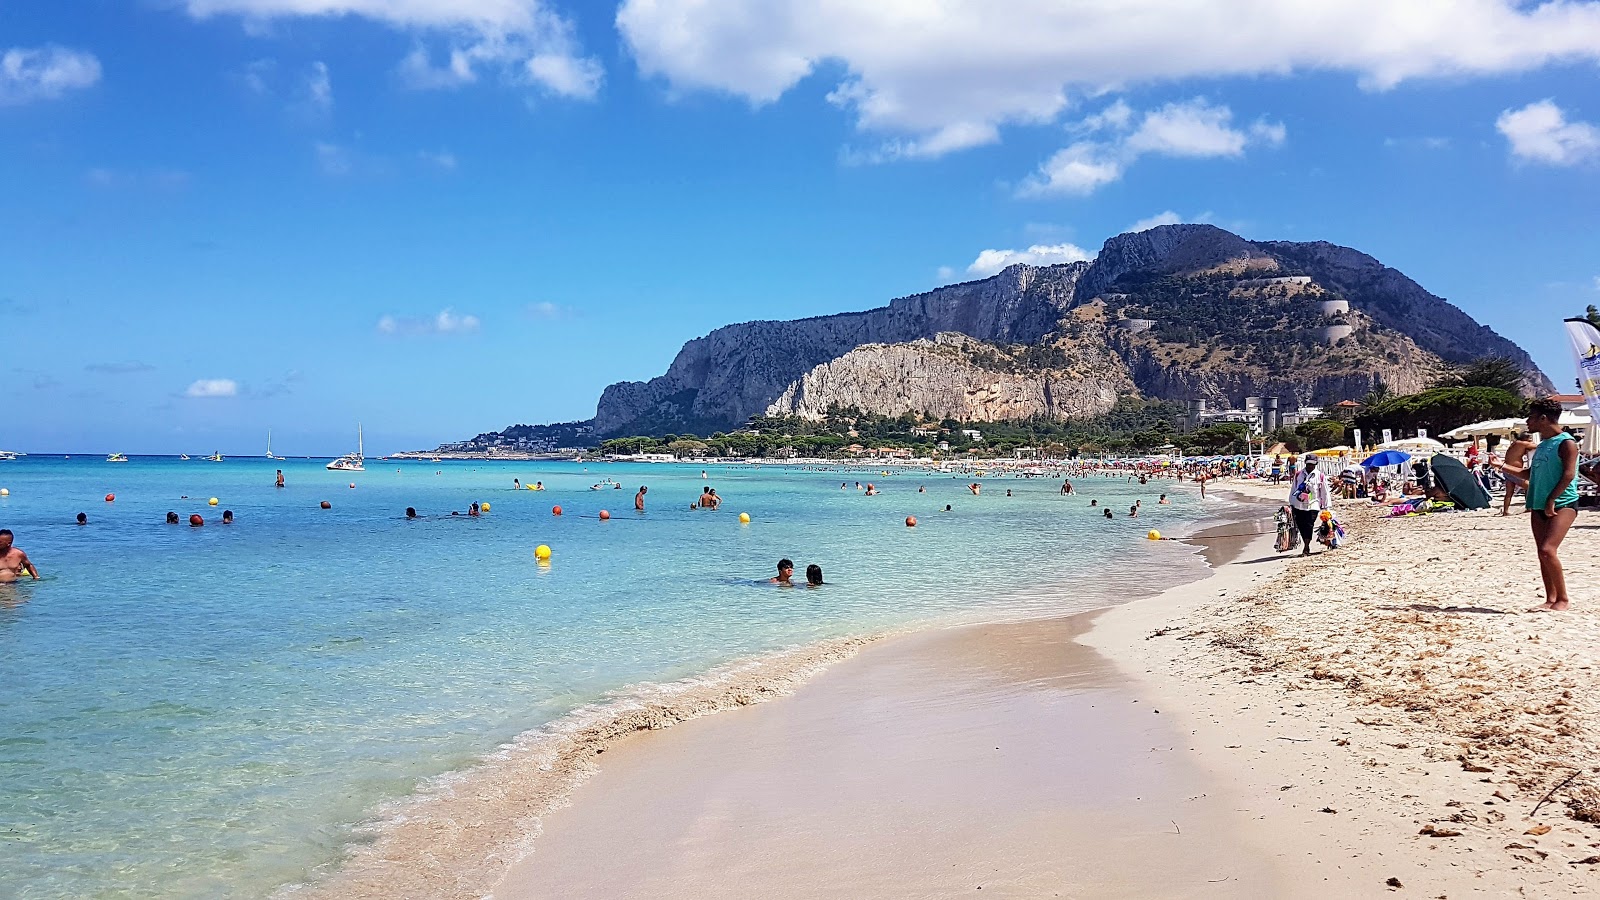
<point>1381,718</point>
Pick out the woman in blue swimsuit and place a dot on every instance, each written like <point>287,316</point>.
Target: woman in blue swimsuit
<point>1552,495</point>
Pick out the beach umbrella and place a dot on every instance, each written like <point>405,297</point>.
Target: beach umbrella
<point>1412,443</point>
<point>1463,487</point>
<point>1386,458</point>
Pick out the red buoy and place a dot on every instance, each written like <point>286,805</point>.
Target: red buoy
<point>327,505</point>
<point>555,510</point>
<point>110,497</point>
<point>604,515</point>
<point>911,521</point>
<point>195,520</point>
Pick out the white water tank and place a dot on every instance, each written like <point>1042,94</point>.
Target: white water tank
<point>1332,334</point>
<point>1333,307</point>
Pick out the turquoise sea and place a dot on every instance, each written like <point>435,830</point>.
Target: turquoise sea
<point>205,712</point>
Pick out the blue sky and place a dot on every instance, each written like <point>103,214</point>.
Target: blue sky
<point>444,216</point>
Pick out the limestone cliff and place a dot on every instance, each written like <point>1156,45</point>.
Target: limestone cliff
<point>1175,312</point>
<point>720,380</point>
<point>956,377</point>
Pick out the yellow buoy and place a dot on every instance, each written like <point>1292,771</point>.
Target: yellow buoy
<point>483,506</point>
<point>1154,535</point>
<point>744,518</point>
<point>5,492</point>
<point>542,551</point>
<point>212,501</point>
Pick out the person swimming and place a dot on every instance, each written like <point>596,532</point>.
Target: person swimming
<point>1163,501</point>
<point>83,518</point>
<point>172,518</point>
<point>1093,503</point>
<point>1108,514</point>
<point>516,484</point>
<point>227,517</point>
<point>1133,511</point>
<point>411,512</point>
<point>813,575</point>
<point>785,573</point>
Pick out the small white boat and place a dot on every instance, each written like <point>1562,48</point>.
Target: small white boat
<point>183,456</point>
<point>9,455</point>
<point>116,457</point>
<point>352,462</point>
<point>269,446</point>
<point>215,457</point>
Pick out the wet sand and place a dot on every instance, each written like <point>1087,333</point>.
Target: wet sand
<point>1003,758</point>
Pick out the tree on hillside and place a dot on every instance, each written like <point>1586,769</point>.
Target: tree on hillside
<point>1593,315</point>
<point>1498,372</point>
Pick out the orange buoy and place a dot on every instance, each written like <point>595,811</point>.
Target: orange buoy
<point>110,497</point>
<point>555,510</point>
<point>195,521</point>
<point>911,521</point>
<point>604,515</point>
<point>327,505</point>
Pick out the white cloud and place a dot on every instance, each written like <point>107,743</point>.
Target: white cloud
<point>922,72</point>
<point>548,311</point>
<point>446,322</point>
<point>44,73</point>
<point>213,387</point>
<point>946,274</point>
<point>1540,132</point>
<point>443,159</point>
<point>1166,217</point>
<point>319,89</point>
<point>524,41</point>
<point>333,159</point>
<point>1117,136</point>
<point>991,261</point>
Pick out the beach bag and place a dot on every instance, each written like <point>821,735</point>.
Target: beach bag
<point>1288,537</point>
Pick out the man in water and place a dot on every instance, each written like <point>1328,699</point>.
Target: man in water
<point>785,572</point>
<point>473,510</point>
<point>1108,512</point>
<point>705,498</point>
<point>83,518</point>
<point>411,512</point>
<point>13,562</point>
<point>280,479</point>
<point>638,499</point>
<point>172,518</point>
<point>227,517</point>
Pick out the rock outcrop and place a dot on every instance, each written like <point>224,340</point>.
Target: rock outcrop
<point>1175,312</point>
<point>720,380</point>
<point>954,377</point>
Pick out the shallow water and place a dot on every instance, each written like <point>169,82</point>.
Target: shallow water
<point>196,712</point>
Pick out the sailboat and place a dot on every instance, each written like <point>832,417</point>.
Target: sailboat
<point>352,462</point>
<point>269,446</point>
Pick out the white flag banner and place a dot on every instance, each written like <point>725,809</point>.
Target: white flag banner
<point>1586,351</point>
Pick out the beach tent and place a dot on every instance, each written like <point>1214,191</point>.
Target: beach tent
<point>1463,487</point>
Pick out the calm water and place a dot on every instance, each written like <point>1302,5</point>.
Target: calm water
<point>200,712</point>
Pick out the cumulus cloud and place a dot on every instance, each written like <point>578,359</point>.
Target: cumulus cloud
<point>522,41</point>
<point>943,76</point>
<point>1117,136</point>
<point>44,73</point>
<point>446,322</point>
<point>991,261</point>
<point>213,387</point>
<point>1540,133</point>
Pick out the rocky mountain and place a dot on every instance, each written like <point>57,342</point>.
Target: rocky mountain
<point>957,377</point>
<point>1175,312</point>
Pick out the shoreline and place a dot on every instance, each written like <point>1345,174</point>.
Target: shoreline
<point>437,842</point>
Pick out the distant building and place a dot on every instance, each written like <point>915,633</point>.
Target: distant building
<point>1345,410</point>
<point>972,434</point>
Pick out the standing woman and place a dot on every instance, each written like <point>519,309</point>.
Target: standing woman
<point>1552,495</point>
<point>1308,496</point>
<point>1515,469</point>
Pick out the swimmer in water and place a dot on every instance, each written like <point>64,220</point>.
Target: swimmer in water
<point>172,518</point>
<point>813,575</point>
<point>947,507</point>
<point>516,484</point>
<point>13,562</point>
<point>1163,501</point>
<point>83,518</point>
<point>538,485</point>
<point>280,479</point>
<point>1093,503</point>
<point>785,572</point>
<point>473,510</point>
<point>411,512</point>
<point>227,517</point>
<point>638,499</point>
<point>1008,492</point>
<point>1133,511</point>
<point>1108,514</point>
